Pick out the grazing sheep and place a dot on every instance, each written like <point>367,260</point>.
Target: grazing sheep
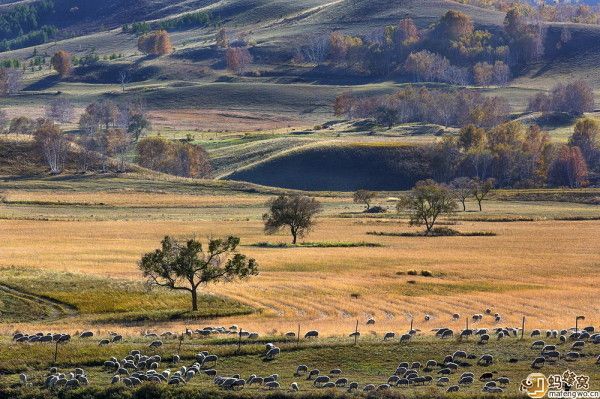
<point>485,360</point>
<point>320,380</point>
<point>335,372</point>
<point>86,334</point>
<point>442,381</point>
<point>578,345</point>
<point>535,333</point>
<point>383,387</point>
<point>301,369</point>
<point>369,387</point>
<point>311,334</point>
<point>467,380</point>
<point>256,380</point>
<point>447,334</point>
<point>313,373</point>
<point>210,372</point>
<point>370,322</point>
<point>503,380</point>
<point>404,382</point>
<point>352,386</point>
<point>430,364</point>
<point>538,344</point>
<point>341,382</point>
<point>427,317</point>
<point>272,353</point>
<point>23,378</point>
<point>116,379</point>
<point>453,388</point>
<point>272,385</point>
<point>290,334</point>
<point>405,337</point>
<point>156,344</point>
<point>486,377</point>
<point>389,335</point>
<point>354,334</point>
<point>455,316</point>
<point>538,362</point>
<point>104,342</point>
<point>483,339</point>
<point>294,387</point>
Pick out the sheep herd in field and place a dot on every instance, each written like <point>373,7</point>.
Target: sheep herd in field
<point>449,372</point>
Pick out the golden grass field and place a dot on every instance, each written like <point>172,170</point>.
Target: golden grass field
<point>545,269</point>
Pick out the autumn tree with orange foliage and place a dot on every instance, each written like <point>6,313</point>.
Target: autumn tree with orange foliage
<point>176,158</point>
<point>61,62</point>
<point>569,168</point>
<point>155,43</point>
<point>238,59</point>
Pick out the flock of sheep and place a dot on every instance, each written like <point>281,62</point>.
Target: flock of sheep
<point>449,372</point>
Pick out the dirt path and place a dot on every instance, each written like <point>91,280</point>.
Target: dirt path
<point>55,309</point>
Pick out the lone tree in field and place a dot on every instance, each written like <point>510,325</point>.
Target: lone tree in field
<point>462,188</point>
<point>61,62</point>
<point>426,202</point>
<point>294,211</point>
<point>185,265</point>
<point>364,197</point>
<point>481,188</point>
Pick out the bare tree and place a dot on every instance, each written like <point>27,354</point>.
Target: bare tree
<point>481,189</point>
<point>315,50</point>
<point>364,197</point>
<point>123,76</point>
<point>60,110</point>
<point>53,145</point>
<point>462,188</point>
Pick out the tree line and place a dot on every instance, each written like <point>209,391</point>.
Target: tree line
<point>546,11</point>
<point>110,136</point>
<point>452,50</point>
<point>419,104</point>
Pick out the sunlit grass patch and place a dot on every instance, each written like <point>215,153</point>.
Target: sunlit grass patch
<point>114,300</point>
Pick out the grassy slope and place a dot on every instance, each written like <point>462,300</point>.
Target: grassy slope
<point>371,361</point>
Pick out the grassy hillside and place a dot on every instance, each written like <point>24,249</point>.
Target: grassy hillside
<point>340,167</point>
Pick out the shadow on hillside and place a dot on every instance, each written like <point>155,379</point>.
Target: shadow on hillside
<point>43,84</point>
<point>196,54</point>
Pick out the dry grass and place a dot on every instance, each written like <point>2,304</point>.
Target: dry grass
<point>526,269</point>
